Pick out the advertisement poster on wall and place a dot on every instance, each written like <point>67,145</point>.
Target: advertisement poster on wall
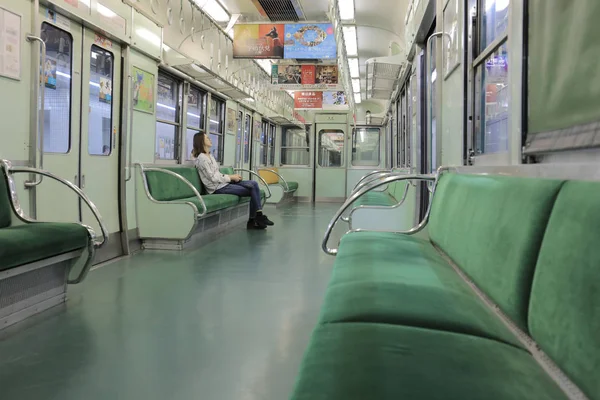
<point>335,100</point>
<point>305,76</point>
<point>143,91</point>
<point>50,73</point>
<point>105,90</point>
<point>310,41</point>
<point>258,41</point>
<point>308,100</point>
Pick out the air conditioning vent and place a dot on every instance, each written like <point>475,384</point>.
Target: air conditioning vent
<point>280,10</point>
<point>383,74</point>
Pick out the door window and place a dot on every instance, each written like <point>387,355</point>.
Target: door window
<point>100,138</point>
<point>57,73</point>
<point>331,148</point>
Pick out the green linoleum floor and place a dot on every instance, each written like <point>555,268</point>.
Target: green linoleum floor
<point>228,321</point>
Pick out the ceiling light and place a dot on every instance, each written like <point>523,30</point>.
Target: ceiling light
<point>214,9</point>
<point>148,36</point>
<point>105,11</point>
<point>353,65</point>
<point>357,98</point>
<point>350,40</point>
<point>356,85</point>
<point>346,9</point>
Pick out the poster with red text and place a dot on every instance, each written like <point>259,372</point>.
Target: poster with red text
<point>308,100</point>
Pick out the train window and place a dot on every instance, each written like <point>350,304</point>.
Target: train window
<point>195,112</point>
<point>272,134</point>
<point>238,143</point>
<point>399,135</point>
<point>365,147</point>
<point>216,126</point>
<point>331,148</point>
<point>167,117</point>
<point>57,80</point>
<point>491,105</point>
<point>100,103</point>
<point>264,135</point>
<point>494,21</point>
<point>247,130</point>
<point>294,147</point>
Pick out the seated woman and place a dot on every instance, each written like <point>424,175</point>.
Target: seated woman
<point>218,183</point>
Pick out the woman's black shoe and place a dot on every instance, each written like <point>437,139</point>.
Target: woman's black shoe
<point>255,223</point>
<point>265,220</point>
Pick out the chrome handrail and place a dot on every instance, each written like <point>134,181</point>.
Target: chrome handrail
<point>268,196</point>
<point>129,145</point>
<point>363,191</point>
<point>365,206</point>
<point>379,171</point>
<point>39,115</point>
<point>285,184</point>
<point>374,177</point>
<point>144,169</point>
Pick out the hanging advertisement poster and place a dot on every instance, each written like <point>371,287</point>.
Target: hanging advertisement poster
<point>335,100</point>
<point>305,76</point>
<point>310,41</point>
<point>10,45</point>
<point>308,100</point>
<point>143,91</point>
<point>258,40</point>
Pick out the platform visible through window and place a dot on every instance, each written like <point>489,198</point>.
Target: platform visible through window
<point>331,148</point>
<point>167,117</point>
<point>195,113</point>
<point>216,123</point>
<point>295,148</point>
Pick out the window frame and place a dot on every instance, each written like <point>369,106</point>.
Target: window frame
<point>478,65</point>
<point>203,98</point>
<point>220,125</point>
<point>70,133</point>
<point>283,148</point>
<point>178,123</point>
<point>354,147</point>
<point>271,144</point>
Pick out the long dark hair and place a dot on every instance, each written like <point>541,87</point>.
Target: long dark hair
<point>199,146</point>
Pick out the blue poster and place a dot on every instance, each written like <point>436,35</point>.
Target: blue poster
<point>309,41</point>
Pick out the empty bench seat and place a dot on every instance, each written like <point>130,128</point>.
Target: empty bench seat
<point>400,320</point>
<point>281,188</point>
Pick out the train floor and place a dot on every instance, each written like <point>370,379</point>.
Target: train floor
<point>226,321</point>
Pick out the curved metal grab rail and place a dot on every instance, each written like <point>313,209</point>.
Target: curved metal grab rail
<point>365,177</point>
<point>397,205</point>
<point>367,189</point>
<point>176,175</point>
<point>78,191</point>
<point>269,194</point>
<point>286,187</point>
<point>39,115</point>
<point>374,177</point>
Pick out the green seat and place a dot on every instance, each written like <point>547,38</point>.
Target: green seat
<point>564,311</point>
<point>392,279</point>
<point>164,187</point>
<point>292,186</point>
<point>24,244</point>
<point>358,361</point>
<point>374,198</point>
<point>215,202</point>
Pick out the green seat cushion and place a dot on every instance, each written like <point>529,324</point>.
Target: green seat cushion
<point>5,206</point>
<point>492,227</point>
<point>292,186</point>
<point>393,279</point>
<point>215,202</point>
<point>24,244</point>
<point>164,187</point>
<point>376,361</point>
<point>374,198</point>
<point>564,313</point>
